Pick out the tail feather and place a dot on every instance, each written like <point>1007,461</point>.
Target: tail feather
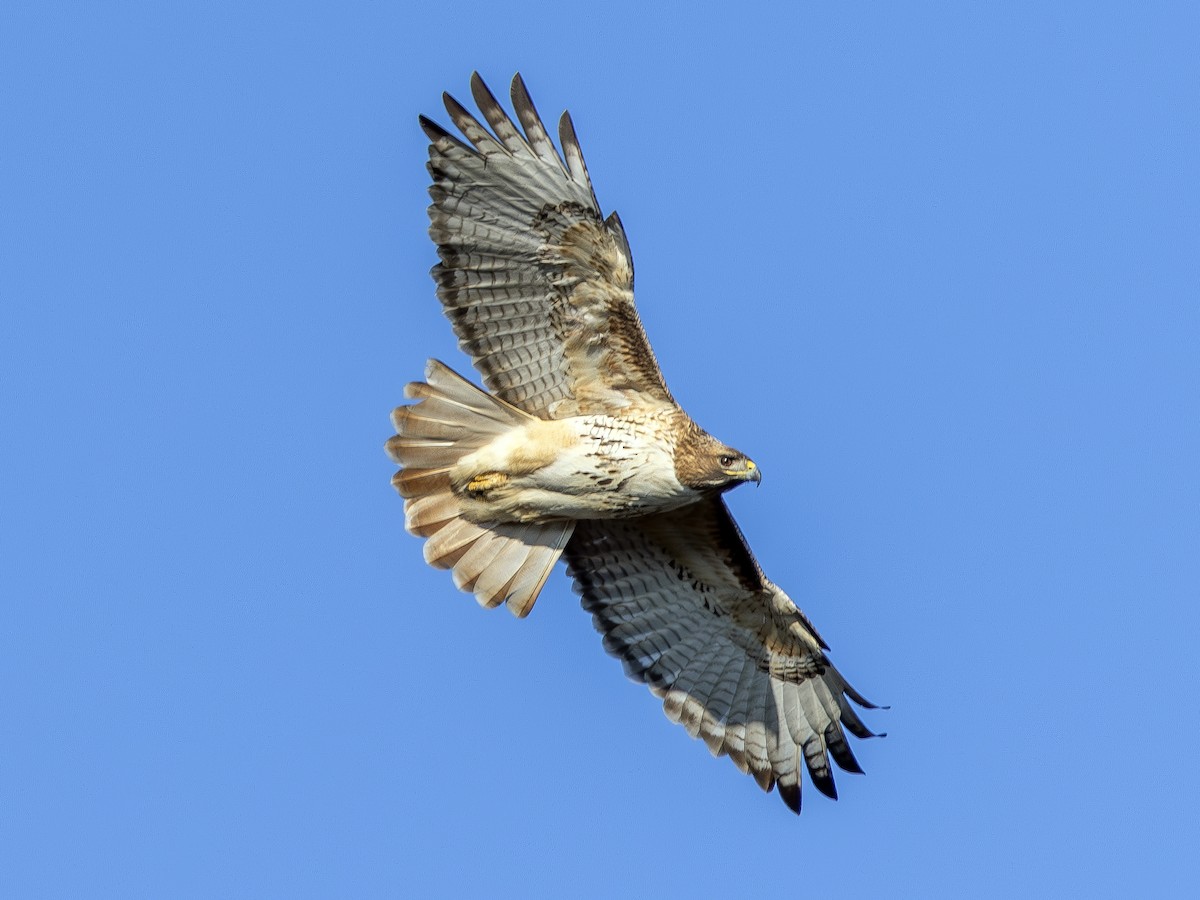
<point>445,547</point>
<point>419,482</point>
<point>527,583</point>
<point>423,454</point>
<point>500,562</point>
<point>427,426</point>
<point>481,554</point>
<point>424,516</point>
<point>497,577</point>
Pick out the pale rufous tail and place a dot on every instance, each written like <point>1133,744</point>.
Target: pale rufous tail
<point>505,562</point>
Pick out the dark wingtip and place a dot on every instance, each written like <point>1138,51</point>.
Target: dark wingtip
<point>566,126</point>
<point>432,129</point>
<point>860,699</point>
<point>845,759</point>
<point>477,83</point>
<point>453,107</point>
<point>481,92</point>
<point>790,795</point>
<point>825,784</point>
<point>840,750</point>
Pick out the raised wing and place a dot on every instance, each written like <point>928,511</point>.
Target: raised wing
<point>682,603</point>
<point>538,286</point>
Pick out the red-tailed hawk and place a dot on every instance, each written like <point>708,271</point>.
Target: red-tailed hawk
<point>578,450</point>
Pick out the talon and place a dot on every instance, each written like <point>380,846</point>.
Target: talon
<point>486,482</point>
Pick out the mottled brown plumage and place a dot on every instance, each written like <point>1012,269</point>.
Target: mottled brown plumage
<point>578,447</point>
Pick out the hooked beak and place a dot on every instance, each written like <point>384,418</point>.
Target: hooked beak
<point>746,471</point>
<point>753,473</point>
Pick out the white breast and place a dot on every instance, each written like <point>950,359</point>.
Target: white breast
<point>585,467</point>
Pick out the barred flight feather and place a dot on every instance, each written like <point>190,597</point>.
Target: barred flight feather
<point>668,634</point>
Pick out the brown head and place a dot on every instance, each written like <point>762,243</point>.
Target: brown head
<point>705,464</point>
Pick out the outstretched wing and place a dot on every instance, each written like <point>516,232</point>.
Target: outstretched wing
<point>682,603</point>
<point>538,286</point>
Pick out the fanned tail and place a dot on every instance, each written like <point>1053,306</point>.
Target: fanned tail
<point>505,562</point>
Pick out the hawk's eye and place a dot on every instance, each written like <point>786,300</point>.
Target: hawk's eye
<point>726,461</point>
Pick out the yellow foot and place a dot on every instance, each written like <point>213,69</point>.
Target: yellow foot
<point>486,482</point>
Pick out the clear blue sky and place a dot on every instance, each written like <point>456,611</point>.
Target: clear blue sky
<point>934,265</point>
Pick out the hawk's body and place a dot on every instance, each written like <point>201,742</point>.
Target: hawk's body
<point>580,449</point>
<point>584,467</point>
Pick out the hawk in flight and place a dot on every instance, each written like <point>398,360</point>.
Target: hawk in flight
<point>577,449</point>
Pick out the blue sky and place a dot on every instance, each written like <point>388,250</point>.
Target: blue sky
<point>933,265</point>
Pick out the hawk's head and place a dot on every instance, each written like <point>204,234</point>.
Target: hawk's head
<point>705,464</point>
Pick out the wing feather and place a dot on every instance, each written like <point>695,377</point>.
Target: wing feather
<point>758,712</point>
<point>701,678</point>
<point>539,140</point>
<point>680,600</point>
<point>574,154</point>
<point>736,713</point>
<point>721,693</point>
<point>471,128</point>
<point>783,752</point>
<point>525,253</point>
<point>501,124</point>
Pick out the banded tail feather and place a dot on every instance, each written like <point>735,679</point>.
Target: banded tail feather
<point>504,562</point>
